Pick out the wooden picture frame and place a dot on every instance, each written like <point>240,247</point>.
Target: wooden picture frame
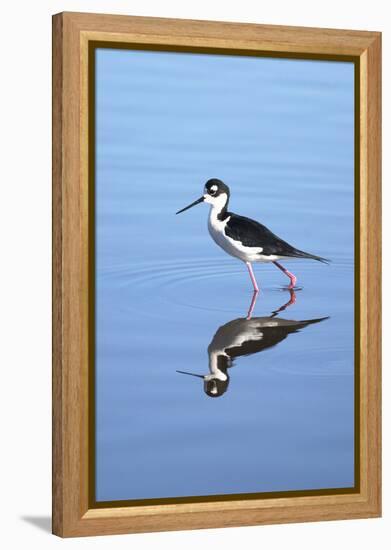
<point>73,35</point>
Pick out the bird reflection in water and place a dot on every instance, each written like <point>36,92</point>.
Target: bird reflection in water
<point>245,336</point>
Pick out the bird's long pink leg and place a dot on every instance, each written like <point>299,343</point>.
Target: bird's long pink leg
<point>292,278</point>
<point>252,276</point>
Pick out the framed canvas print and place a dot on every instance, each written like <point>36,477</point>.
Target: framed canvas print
<point>216,268</point>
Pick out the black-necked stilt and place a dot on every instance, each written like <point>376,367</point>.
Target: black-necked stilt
<point>245,238</point>
<point>241,337</point>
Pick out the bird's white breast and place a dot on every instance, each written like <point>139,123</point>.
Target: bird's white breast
<point>216,229</point>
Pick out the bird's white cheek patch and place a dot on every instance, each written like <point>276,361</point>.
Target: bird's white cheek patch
<point>218,202</point>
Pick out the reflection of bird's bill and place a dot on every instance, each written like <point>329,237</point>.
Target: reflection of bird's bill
<point>201,199</point>
<point>191,374</point>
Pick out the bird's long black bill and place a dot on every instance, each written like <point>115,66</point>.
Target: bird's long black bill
<point>190,374</point>
<point>201,199</point>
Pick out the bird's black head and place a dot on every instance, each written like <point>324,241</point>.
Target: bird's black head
<point>216,193</point>
<point>215,187</point>
<point>214,387</point>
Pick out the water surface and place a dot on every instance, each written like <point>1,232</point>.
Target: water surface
<point>280,133</point>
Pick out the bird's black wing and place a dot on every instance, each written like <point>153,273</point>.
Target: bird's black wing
<point>272,335</point>
<point>252,233</point>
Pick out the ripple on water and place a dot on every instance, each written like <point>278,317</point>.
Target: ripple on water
<point>318,361</point>
<point>185,282</point>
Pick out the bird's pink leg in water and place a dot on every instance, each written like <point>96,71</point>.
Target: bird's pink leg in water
<point>252,305</point>
<point>252,276</point>
<point>292,278</point>
<point>292,301</point>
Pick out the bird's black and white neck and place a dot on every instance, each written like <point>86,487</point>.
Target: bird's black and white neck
<point>244,238</point>
<point>221,225</point>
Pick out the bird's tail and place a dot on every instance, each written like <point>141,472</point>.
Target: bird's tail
<point>307,322</point>
<point>306,255</point>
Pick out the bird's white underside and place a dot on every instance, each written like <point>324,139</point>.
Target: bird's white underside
<point>231,246</point>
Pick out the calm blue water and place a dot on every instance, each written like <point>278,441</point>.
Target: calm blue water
<point>280,133</point>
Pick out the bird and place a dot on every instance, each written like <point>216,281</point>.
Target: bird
<point>242,337</point>
<point>245,238</point>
